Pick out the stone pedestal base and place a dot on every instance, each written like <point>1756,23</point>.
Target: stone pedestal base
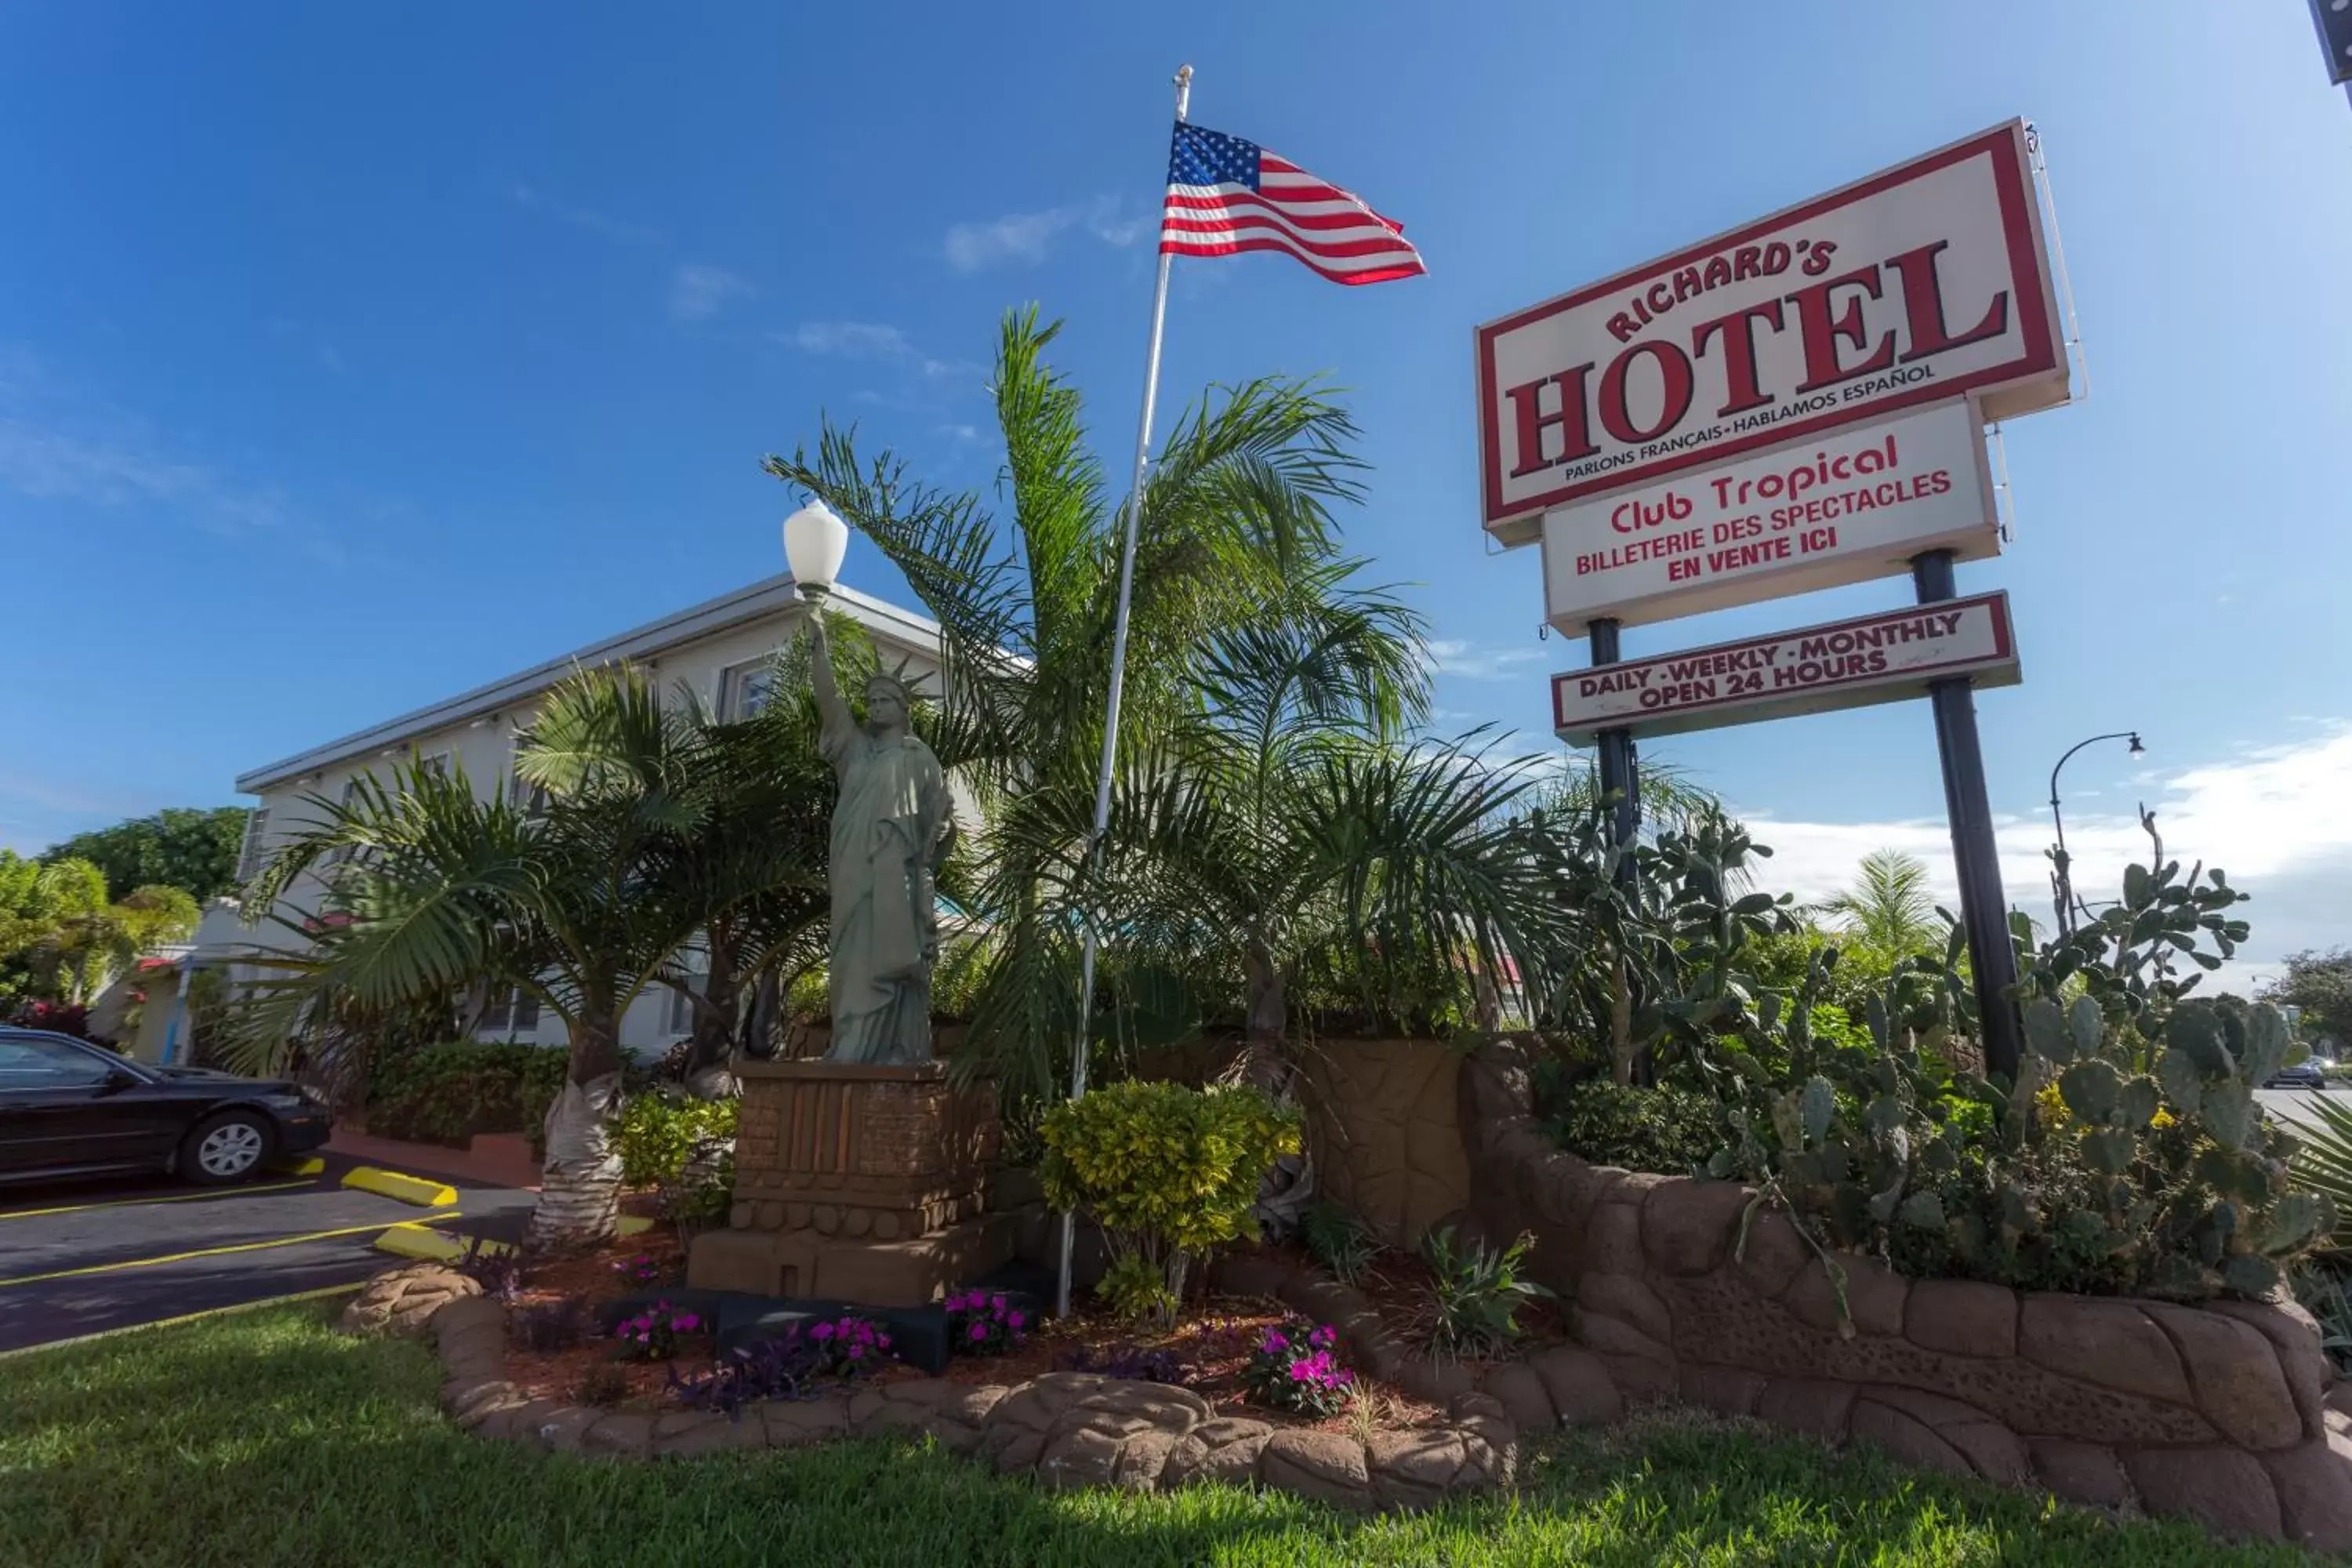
<point>856,1182</point>
<point>796,1263</point>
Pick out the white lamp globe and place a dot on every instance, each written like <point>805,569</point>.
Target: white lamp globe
<point>814,542</point>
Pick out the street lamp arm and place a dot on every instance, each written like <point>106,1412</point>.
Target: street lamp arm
<point>2112,735</point>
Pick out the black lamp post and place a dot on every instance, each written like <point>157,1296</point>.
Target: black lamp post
<point>2062,880</point>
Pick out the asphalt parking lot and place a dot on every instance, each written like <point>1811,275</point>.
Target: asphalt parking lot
<point>85,1259</point>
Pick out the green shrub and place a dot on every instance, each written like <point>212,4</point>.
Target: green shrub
<point>1341,1240</point>
<point>685,1151</point>
<point>1670,1130</point>
<point>1136,1290</point>
<point>1477,1294</point>
<point>1169,1172</point>
<point>446,1092</point>
<point>658,1133</point>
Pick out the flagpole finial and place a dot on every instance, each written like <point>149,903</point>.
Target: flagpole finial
<point>1183,90</point>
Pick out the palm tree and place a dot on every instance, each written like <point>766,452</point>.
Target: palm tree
<point>428,889</point>
<point>1889,907</point>
<point>1290,827</point>
<point>1235,527</point>
<point>751,857</point>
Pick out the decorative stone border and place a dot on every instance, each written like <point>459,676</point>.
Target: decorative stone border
<point>2227,1412</point>
<point>1067,1429</point>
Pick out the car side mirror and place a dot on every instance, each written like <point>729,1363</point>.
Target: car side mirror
<point>116,1080</point>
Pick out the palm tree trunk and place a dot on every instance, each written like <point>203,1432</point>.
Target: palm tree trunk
<point>1621,1026</point>
<point>579,1189</point>
<point>1289,1185</point>
<point>713,1039</point>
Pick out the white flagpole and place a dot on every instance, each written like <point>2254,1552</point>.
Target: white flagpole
<point>1118,682</point>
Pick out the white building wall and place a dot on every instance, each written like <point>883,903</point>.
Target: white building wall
<point>481,740</point>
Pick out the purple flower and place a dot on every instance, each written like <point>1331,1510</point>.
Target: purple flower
<point>1014,1320</point>
<point>685,1322</point>
<point>979,1332</point>
<point>997,1302</point>
<point>855,1351</point>
<point>882,1339</point>
<point>1275,1340</point>
<point>822,1331</point>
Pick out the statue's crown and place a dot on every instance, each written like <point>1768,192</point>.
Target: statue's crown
<point>898,679</point>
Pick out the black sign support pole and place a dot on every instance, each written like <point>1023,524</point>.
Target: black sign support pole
<point>1984,911</point>
<point>1620,770</point>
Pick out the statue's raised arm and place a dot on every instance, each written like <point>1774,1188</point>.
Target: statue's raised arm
<point>839,725</point>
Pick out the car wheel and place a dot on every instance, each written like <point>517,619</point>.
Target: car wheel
<point>228,1147</point>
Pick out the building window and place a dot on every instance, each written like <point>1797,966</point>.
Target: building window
<point>745,690</point>
<point>434,762</point>
<point>256,830</point>
<point>526,797</point>
<point>511,1008</point>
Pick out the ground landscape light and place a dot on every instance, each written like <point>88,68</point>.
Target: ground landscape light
<point>814,542</point>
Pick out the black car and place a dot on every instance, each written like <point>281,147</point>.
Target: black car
<point>69,1109</point>
<point>2305,1074</point>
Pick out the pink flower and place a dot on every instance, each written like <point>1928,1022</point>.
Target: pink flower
<point>979,1332</point>
<point>685,1322</point>
<point>1014,1320</point>
<point>855,1351</point>
<point>822,1331</point>
<point>882,1339</point>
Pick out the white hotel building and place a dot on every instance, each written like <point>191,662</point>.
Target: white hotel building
<point>719,648</point>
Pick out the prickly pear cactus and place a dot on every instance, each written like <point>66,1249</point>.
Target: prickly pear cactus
<point>2131,1157</point>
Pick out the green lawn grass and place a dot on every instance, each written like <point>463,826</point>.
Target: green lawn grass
<point>264,1438</point>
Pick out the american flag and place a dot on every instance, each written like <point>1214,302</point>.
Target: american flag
<point>1225,195</point>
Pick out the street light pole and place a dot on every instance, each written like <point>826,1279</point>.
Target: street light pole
<point>2063,880</point>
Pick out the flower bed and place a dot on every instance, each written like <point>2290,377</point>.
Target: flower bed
<point>1077,1401</point>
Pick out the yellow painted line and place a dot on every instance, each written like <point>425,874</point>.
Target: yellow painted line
<point>174,1198</point>
<point>205,1252</point>
<point>417,1239</point>
<point>320,1294</point>
<point>408,1189</point>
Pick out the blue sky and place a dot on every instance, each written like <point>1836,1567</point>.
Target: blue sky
<point>348,359</point>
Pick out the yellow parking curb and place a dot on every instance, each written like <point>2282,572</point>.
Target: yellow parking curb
<point>418,1190</point>
<point>304,1165</point>
<point>418,1239</point>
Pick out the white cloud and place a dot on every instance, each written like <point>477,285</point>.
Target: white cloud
<point>56,448</point>
<point>698,290</point>
<point>1452,656</point>
<point>618,230</point>
<point>871,343</point>
<point>1026,237</point>
<point>2273,817</point>
<point>852,340</point>
<point>1016,237</point>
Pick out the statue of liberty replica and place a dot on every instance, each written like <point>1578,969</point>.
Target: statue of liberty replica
<point>891,828</point>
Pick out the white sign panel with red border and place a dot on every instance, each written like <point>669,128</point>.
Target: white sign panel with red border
<point>1917,285</point>
<point>1844,664</point>
<point>1854,504</point>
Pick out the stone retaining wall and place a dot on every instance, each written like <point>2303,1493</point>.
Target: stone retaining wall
<point>2219,1412</point>
<point>1068,1429</point>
